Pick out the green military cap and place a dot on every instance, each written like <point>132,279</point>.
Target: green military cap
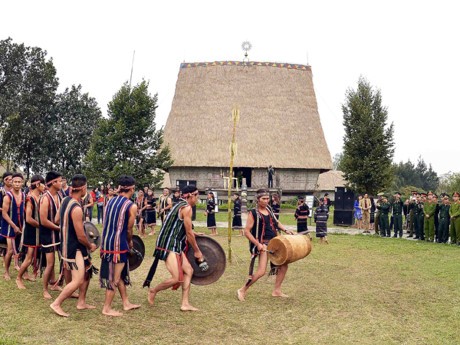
<point>381,194</point>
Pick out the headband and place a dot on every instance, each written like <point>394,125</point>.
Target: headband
<point>125,187</point>
<point>259,195</point>
<point>78,188</point>
<point>52,181</point>
<point>36,183</point>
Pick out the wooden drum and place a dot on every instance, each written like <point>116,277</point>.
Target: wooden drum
<point>286,249</point>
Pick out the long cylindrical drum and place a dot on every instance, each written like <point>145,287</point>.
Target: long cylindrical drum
<point>286,249</point>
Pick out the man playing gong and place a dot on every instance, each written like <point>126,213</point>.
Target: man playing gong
<point>175,232</point>
<point>261,227</point>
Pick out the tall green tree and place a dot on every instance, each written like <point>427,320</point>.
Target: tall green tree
<point>76,118</point>
<point>128,142</point>
<point>368,142</point>
<point>28,86</point>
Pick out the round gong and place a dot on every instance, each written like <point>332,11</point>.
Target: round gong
<point>92,233</point>
<point>137,253</point>
<point>215,257</point>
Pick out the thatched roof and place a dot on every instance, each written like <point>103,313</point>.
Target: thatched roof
<point>279,123</point>
<point>330,179</point>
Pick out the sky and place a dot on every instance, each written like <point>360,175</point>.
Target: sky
<point>407,49</point>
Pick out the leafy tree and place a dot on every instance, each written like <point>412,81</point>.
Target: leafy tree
<point>127,142</point>
<point>76,117</point>
<point>368,141</point>
<point>337,161</point>
<point>449,183</point>
<point>28,86</point>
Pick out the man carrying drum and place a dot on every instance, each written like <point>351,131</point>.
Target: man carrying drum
<point>261,227</point>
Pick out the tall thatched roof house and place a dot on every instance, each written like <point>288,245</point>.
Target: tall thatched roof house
<point>279,125</point>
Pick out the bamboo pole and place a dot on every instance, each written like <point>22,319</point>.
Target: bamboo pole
<point>235,119</point>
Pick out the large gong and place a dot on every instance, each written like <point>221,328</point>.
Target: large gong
<point>137,253</point>
<point>92,234</point>
<point>213,254</point>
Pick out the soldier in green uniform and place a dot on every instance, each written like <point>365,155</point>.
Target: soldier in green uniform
<point>444,219</point>
<point>384,209</point>
<point>397,208</point>
<point>454,214</point>
<point>429,208</point>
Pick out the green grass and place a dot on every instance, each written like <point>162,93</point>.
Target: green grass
<point>356,290</point>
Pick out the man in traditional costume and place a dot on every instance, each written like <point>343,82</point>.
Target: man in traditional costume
<point>50,203</point>
<point>7,186</point>
<point>13,222</point>
<point>74,247</point>
<point>237,223</point>
<point>301,214</point>
<point>31,234</point>
<point>261,227</point>
<point>164,205</point>
<point>171,247</point>
<point>116,242</point>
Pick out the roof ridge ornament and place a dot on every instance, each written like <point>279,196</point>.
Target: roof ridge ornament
<point>246,46</point>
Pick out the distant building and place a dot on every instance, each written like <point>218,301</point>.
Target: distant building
<point>327,182</point>
<point>279,125</point>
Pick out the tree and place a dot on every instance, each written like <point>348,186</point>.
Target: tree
<point>28,86</point>
<point>449,183</point>
<point>337,161</point>
<point>76,118</point>
<point>127,142</point>
<point>368,141</point>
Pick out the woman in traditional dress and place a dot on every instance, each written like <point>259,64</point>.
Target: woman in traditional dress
<point>210,214</point>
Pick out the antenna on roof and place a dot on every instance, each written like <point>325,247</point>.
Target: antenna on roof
<point>308,63</point>
<point>132,67</point>
<point>246,46</point>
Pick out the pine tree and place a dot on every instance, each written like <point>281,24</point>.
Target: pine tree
<point>368,142</point>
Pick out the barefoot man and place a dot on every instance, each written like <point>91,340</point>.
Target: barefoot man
<point>13,222</point>
<point>119,218</point>
<point>50,202</point>
<point>74,247</point>
<point>261,227</point>
<point>171,243</point>
<point>31,239</point>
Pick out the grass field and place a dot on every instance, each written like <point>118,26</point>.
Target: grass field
<point>356,290</point>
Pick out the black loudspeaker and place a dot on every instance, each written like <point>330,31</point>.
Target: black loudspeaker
<point>344,198</point>
<point>343,217</point>
<point>348,200</point>
<point>338,201</point>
